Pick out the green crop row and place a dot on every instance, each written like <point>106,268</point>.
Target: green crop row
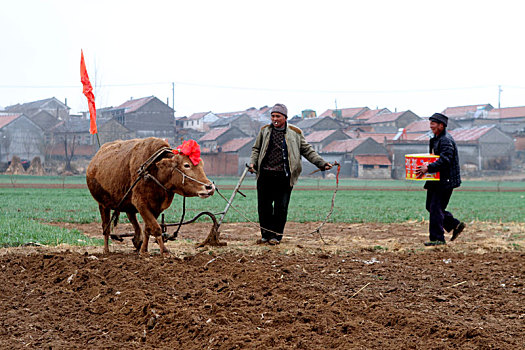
<point>308,182</point>
<point>22,211</point>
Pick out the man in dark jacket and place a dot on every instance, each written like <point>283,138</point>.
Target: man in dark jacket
<point>439,192</point>
<point>276,157</point>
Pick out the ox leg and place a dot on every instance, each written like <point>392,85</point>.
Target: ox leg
<point>137,238</point>
<point>152,227</point>
<point>105,216</point>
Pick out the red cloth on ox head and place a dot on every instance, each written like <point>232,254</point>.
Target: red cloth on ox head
<point>191,149</point>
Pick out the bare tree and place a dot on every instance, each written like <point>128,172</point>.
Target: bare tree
<point>69,151</point>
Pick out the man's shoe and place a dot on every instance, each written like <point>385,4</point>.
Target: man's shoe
<point>274,241</point>
<point>262,241</point>
<point>458,230</point>
<point>434,243</point>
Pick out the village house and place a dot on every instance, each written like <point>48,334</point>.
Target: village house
<point>242,147</point>
<point>371,113</point>
<point>510,120</point>
<point>319,139</point>
<point>464,116</point>
<point>51,105</point>
<point>243,122</point>
<point>111,130</point>
<point>258,114</point>
<point>213,140</point>
<point>321,123</point>
<point>484,147</point>
<point>391,122</point>
<point>44,120</point>
<point>19,136</point>
<point>370,166</point>
<point>345,152</point>
<point>71,139</point>
<point>147,116</point>
<point>344,113</point>
<point>199,121</point>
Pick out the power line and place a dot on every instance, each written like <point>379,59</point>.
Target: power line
<point>247,88</point>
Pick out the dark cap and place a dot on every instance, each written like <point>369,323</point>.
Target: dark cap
<point>280,108</point>
<point>440,118</point>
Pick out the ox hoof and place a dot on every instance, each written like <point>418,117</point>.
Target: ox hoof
<point>137,244</point>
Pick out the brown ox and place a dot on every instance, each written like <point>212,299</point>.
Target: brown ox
<point>113,170</point>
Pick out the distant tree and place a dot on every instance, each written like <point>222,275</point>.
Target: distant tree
<point>69,150</point>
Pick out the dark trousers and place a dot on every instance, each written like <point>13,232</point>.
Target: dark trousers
<point>440,219</point>
<point>273,197</point>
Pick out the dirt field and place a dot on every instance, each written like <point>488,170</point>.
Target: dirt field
<point>372,286</point>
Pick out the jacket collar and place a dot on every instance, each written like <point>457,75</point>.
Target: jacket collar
<point>440,135</point>
<point>285,127</point>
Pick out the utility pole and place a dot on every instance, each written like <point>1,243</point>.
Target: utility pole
<point>499,96</point>
<point>173,97</point>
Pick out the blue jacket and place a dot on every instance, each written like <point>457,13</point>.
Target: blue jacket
<point>445,147</point>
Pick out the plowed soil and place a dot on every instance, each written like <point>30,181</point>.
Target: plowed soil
<point>371,286</point>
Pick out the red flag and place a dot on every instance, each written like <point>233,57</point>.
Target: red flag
<point>88,91</point>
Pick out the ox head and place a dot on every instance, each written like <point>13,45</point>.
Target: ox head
<point>184,175</point>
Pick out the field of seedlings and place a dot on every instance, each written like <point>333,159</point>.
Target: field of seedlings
<point>364,280</point>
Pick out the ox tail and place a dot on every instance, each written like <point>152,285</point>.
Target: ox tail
<point>114,223</point>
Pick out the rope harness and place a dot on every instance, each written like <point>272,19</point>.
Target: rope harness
<point>144,174</point>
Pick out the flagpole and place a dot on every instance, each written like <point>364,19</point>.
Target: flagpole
<point>98,140</point>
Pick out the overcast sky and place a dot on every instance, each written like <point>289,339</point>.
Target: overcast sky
<point>231,55</point>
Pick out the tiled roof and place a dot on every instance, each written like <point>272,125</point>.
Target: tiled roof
<point>6,118</point>
<point>197,116</point>
<point>236,144</point>
<point>470,134</point>
<point>418,126</point>
<point>378,137</point>
<point>464,134</point>
<point>505,113</point>
<point>133,105</point>
<point>45,120</point>
<point>308,123</point>
<point>373,159</point>
<point>346,113</point>
<point>461,111</point>
<point>372,113</point>
<point>73,125</point>
<point>318,136</point>
<point>34,105</point>
<point>252,112</point>
<point>213,134</point>
<point>342,146</point>
<point>385,117</point>
<point>224,121</point>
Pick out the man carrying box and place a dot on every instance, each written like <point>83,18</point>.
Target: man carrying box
<point>439,192</point>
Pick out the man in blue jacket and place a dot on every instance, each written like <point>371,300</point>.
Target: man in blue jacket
<point>439,192</point>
